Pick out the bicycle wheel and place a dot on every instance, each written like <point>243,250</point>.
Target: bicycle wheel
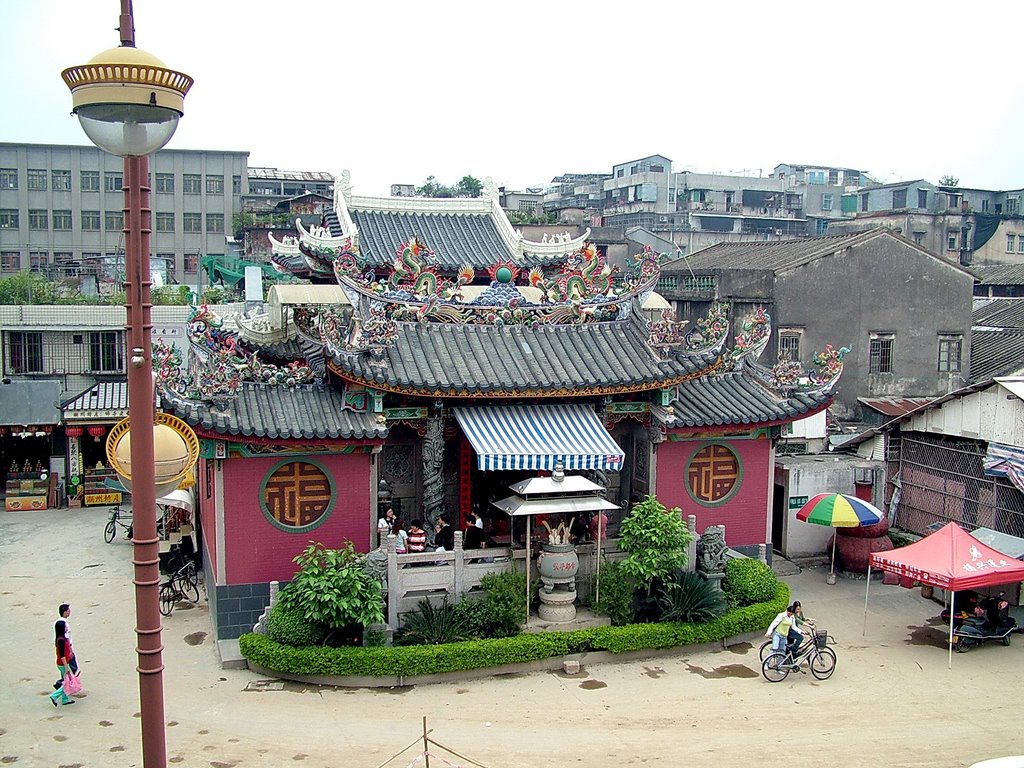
<point>823,663</point>
<point>776,667</point>
<point>131,531</point>
<point>188,587</point>
<point>109,531</point>
<point>190,576</point>
<point>168,597</point>
<point>766,650</point>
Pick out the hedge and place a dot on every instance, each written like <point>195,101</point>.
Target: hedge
<point>412,660</point>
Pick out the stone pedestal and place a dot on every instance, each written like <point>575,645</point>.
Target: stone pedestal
<point>558,565</point>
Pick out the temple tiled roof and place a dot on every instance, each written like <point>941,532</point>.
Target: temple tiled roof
<point>453,360</point>
<point>457,239</point>
<point>996,352</point>
<point>260,410</point>
<point>736,398</point>
<point>106,396</point>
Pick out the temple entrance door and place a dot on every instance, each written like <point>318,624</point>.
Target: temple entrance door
<point>401,466</point>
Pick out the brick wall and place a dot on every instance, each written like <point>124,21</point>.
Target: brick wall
<point>745,513</point>
<point>208,515</point>
<point>257,551</point>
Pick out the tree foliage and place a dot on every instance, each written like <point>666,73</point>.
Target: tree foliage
<point>656,539</point>
<point>467,186</point>
<point>333,588</point>
<point>949,180</point>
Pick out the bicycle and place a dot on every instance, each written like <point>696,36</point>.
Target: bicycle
<point>820,659</point>
<point>183,584</point>
<point>117,518</point>
<point>766,649</point>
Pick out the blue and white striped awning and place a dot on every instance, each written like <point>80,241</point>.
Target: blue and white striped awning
<point>539,437</point>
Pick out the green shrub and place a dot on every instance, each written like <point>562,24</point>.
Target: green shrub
<point>473,612</point>
<point>899,539</point>
<point>504,603</point>
<point>690,598</point>
<point>407,661</point>
<point>617,588</point>
<point>430,625</point>
<point>748,581</point>
<point>287,625</point>
<point>655,539</point>
<point>333,588</point>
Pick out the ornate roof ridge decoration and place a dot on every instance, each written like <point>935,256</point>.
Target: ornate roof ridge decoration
<point>286,246</point>
<point>709,333</point>
<point>787,376</point>
<point>216,365</point>
<point>754,336</point>
<point>581,291</point>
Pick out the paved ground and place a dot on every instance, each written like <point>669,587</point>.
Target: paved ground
<point>891,702</point>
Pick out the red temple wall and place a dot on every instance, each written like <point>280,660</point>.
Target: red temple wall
<point>256,550</point>
<point>744,513</point>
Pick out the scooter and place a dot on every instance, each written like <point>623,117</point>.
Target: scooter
<point>994,624</point>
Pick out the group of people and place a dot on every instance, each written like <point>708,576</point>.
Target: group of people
<point>66,661</point>
<point>787,629</point>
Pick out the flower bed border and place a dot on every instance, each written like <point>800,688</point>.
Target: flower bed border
<point>528,652</point>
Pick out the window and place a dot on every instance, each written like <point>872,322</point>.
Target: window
<point>113,221</point>
<point>38,261</point>
<point>1020,243</point>
<point>61,221</point>
<point>165,182</point>
<point>10,261</point>
<point>39,220</point>
<point>105,352</point>
<point>61,181</point>
<point>90,181</point>
<point>880,353</point>
<point>8,218</point>
<point>922,198</point>
<point>815,177</point>
<point>984,206</point>
<point>1012,204</point>
<point>8,178</point>
<point>215,185</point>
<point>826,202</point>
<point>215,223</point>
<point>833,177</point>
<point>165,222</point>
<point>25,352</point>
<point>113,182</point>
<point>864,202</point>
<point>919,238</point>
<point>191,222</point>
<point>36,178</point>
<point>528,205</point>
<point>191,184</point>
<point>236,185</point>
<point>619,173</point>
<point>167,259</point>
<point>821,227</point>
<point>949,353</point>
<point>191,263</point>
<point>1011,242</point>
<point>90,221</point>
<point>952,240</point>
<point>899,198</point>
<point>789,345</point>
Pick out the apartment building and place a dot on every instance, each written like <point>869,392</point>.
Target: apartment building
<point>62,210</point>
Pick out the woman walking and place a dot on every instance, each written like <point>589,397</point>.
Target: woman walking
<point>64,655</point>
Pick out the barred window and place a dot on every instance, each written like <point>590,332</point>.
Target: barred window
<point>949,353</point>
<point>8,178</point>
<point>37,178</point>
<point>880,354</point>
<point>215,185</point>
<point>25,352</point>
<point>105,352</point>
<point>789,345</point>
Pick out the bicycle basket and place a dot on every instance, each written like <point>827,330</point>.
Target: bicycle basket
<point>821,639</point>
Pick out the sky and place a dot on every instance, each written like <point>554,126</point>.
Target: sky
<point>397,91</point>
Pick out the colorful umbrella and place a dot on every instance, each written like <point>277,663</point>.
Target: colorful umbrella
<point>838,510</point>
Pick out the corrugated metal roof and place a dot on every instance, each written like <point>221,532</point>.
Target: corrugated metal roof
<point>274,173</point>
<point>774,255</point>
<point>998,313</point>
<point>31,403</point>
<point>996,353</point>
<point>1002,274</point>
<point>894,406</point>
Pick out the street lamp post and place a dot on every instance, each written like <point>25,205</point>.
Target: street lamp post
<point>128,104</point>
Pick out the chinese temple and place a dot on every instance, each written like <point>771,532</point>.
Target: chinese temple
<point>435,357</point>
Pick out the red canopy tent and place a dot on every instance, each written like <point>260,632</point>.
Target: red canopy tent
<point>950,559</point>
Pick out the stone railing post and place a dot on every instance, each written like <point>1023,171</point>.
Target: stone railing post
<point>395,589</point>
<point>762,553</point>
<point>458,576</point>
<point>691,548</point>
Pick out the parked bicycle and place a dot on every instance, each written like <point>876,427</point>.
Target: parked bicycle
<point>814,652</point>
<point>118,517</point>
<point>183,584</point>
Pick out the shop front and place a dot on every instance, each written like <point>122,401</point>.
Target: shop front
<point>29,413</point>
<point>88,418</point>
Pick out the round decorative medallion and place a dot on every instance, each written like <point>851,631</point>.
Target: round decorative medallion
<point>297,496</point>
<point>713,474</point>
<point>503,275</point>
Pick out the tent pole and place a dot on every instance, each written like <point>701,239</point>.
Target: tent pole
<point>597,588</point>
<point>835,535</point>
<point>952,602</point>
<point>529,536</point>
<point>867,588</point>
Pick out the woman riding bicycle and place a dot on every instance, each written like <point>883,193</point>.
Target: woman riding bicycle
<point>781,631</point>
